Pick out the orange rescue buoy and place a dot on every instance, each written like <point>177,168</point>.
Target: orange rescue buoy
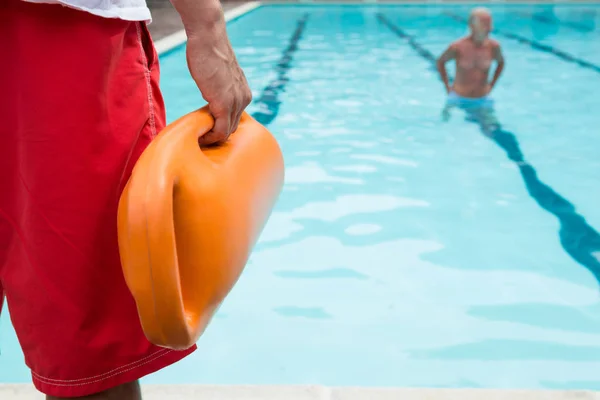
<point>188,219</point>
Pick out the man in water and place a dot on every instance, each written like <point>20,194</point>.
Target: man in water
<point>473,55</point>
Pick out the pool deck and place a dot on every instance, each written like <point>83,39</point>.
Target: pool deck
<point>166,21</point>
<point>206,392</point>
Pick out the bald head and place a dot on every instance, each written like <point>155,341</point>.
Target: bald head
<point>480,22</point>
<point>479,14</point>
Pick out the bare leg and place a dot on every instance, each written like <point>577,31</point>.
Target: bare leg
<point>128,391</point>
<point>446,112</point>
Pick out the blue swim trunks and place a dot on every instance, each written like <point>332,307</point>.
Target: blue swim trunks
<point>455,100</point>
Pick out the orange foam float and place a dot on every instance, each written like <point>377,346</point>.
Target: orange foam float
<point>188,219</point>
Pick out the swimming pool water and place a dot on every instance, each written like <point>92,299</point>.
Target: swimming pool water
<point>404,250</point>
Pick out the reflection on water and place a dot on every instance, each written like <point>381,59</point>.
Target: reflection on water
<point>577,237</point>
<point>329,273</point>
<point>303,312</point>
<point>545,22</point>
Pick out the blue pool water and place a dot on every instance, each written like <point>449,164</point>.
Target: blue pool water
<point>404,250</point>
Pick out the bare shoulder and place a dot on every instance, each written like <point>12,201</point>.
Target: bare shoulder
<point>450,53</point>
<point>494,44</point>
<point>460,43</point>
<point>496,50</point>
<point>458,46</point>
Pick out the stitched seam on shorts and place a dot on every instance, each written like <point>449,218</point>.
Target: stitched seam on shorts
<point>126,165</point>
<point>148,80</point>
<point>97,378</point>
<point>157,356</point>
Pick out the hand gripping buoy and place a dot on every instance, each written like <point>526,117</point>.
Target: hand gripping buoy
<point>188,219</point>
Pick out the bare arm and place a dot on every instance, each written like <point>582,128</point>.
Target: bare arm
<point>499,57</point>
<point>213,65</point>
<point>198,15</point>
<point>447,55</point>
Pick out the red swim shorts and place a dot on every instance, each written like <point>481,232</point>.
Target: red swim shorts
<point>79,101</point>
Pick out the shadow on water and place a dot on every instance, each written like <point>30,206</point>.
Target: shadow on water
<point>577,237</point>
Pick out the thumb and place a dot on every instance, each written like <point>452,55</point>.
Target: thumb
<point>219,133</point>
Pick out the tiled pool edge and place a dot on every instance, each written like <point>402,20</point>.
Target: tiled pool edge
<point>265,392</point>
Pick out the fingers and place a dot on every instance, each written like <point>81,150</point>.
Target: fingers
<point>221,112</point>
<point>240,104</point>
<point>219,133</point>
<point>243,100</point>
<point>235,116</point>
<point>246,98</point>
<point>227,118</point>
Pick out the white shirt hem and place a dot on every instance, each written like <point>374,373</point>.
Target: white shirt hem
<point>124,13</point>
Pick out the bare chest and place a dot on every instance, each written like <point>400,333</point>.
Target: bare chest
<point>474,57</point>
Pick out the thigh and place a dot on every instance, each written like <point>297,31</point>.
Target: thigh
<point>86,105</point>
